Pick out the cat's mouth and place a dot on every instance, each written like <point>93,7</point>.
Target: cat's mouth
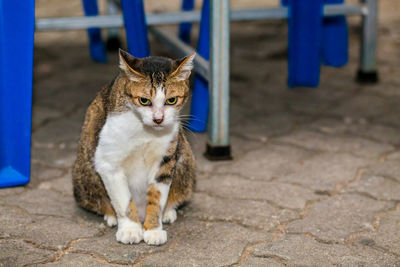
<point>158,126</point>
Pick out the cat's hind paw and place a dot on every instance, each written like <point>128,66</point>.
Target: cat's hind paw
<point>130,233</point>
<point>169,216</point>
<point>155,237</point>
<point>111,221</point>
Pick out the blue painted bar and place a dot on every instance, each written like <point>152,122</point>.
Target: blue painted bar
<point>186,27</point>
<point>17,23</point>
<point>96,46</point>
<point>136,28</point>
<point>305,36</point>
<point>201,95</point>
<point>335,40</point>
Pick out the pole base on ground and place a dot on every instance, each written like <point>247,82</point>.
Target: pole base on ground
<point>215,153</point>
<point>112,44</point>
<point>369,77</point>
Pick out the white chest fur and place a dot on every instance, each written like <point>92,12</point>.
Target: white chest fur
<point>129,150</point>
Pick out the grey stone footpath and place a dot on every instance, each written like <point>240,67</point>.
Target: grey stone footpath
<point>315,179</point>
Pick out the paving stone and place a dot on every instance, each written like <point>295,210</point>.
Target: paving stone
<point>313,102</point>
<point>40,173</point>
<point>62,185</point>
<point>387,236</point>
<point>47,231</point>
<point>61,131</point>
<point>12,221</point>
<point>12,191</point>
<point>53,202</point>
<point>336,218</point>
<point>300,250</point>
<point>79,260</point>
<point>390,168</point>
<point>361,106</point>
<point>57,232</point>
<point>357,127</point>
<point>42,114</point>
<point>394,156</point>
<point>111,250</point>
<point>391,118</point>
<point>262,127</point>
<point>256,214</point>
<point>44,202</point>
<point>54,155</point>
<point>53,93</point>
<point>233,187</point>
<point>323,172</point>
<point>267,102</point>
<point>239,147</point>
<point>261,261</point>
<point>266,163</point>
<point>209,244</point>
<point>336,143</point>
<point>57,156</point>
<point>376,186</point>
<point>15,252</point>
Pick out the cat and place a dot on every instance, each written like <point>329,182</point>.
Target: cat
<point>134,164</point>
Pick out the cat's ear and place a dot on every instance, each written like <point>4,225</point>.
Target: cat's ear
<point>185,66</point>
<point>127,64</point>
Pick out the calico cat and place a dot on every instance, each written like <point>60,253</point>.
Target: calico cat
<point>134,164</point>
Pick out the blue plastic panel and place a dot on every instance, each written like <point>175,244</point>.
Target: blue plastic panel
<point>17,18</point>
<point>201,95</point>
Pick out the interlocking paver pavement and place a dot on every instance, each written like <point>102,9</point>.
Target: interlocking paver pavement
<point>315,179</point>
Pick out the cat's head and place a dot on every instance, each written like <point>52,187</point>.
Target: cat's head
<point>157,87</point>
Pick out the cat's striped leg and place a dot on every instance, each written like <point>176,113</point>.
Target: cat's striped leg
<point>109,214</point>
<point>157,195</point>
<point>129,228</point>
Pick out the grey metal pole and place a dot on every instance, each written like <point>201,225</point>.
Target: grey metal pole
<point>218,147</point>
<point>367,72</point>
<point>113,42</point>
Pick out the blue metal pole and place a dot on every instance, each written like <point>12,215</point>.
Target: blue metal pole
<point>185,27</point>
<point>136,28</point>
<point>96,45</point>
<point>335,43</point>
<point>305,35</point>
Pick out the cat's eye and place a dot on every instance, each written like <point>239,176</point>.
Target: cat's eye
<point>144,101</point>
<point>171,101</point>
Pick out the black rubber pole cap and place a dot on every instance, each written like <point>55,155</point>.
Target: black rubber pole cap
<point>113,44</point>
<point>215,153</point>
<point>367,77</point>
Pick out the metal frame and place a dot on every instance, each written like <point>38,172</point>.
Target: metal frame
<point>217,73</point>
<point>111,21</point>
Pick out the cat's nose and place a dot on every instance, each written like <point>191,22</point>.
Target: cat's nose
<point>158,121</point>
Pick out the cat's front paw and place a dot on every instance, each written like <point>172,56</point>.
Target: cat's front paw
<point>129,233</point>
<point>169,216</point>
<point>155,237</point>
<point>110,220</point>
